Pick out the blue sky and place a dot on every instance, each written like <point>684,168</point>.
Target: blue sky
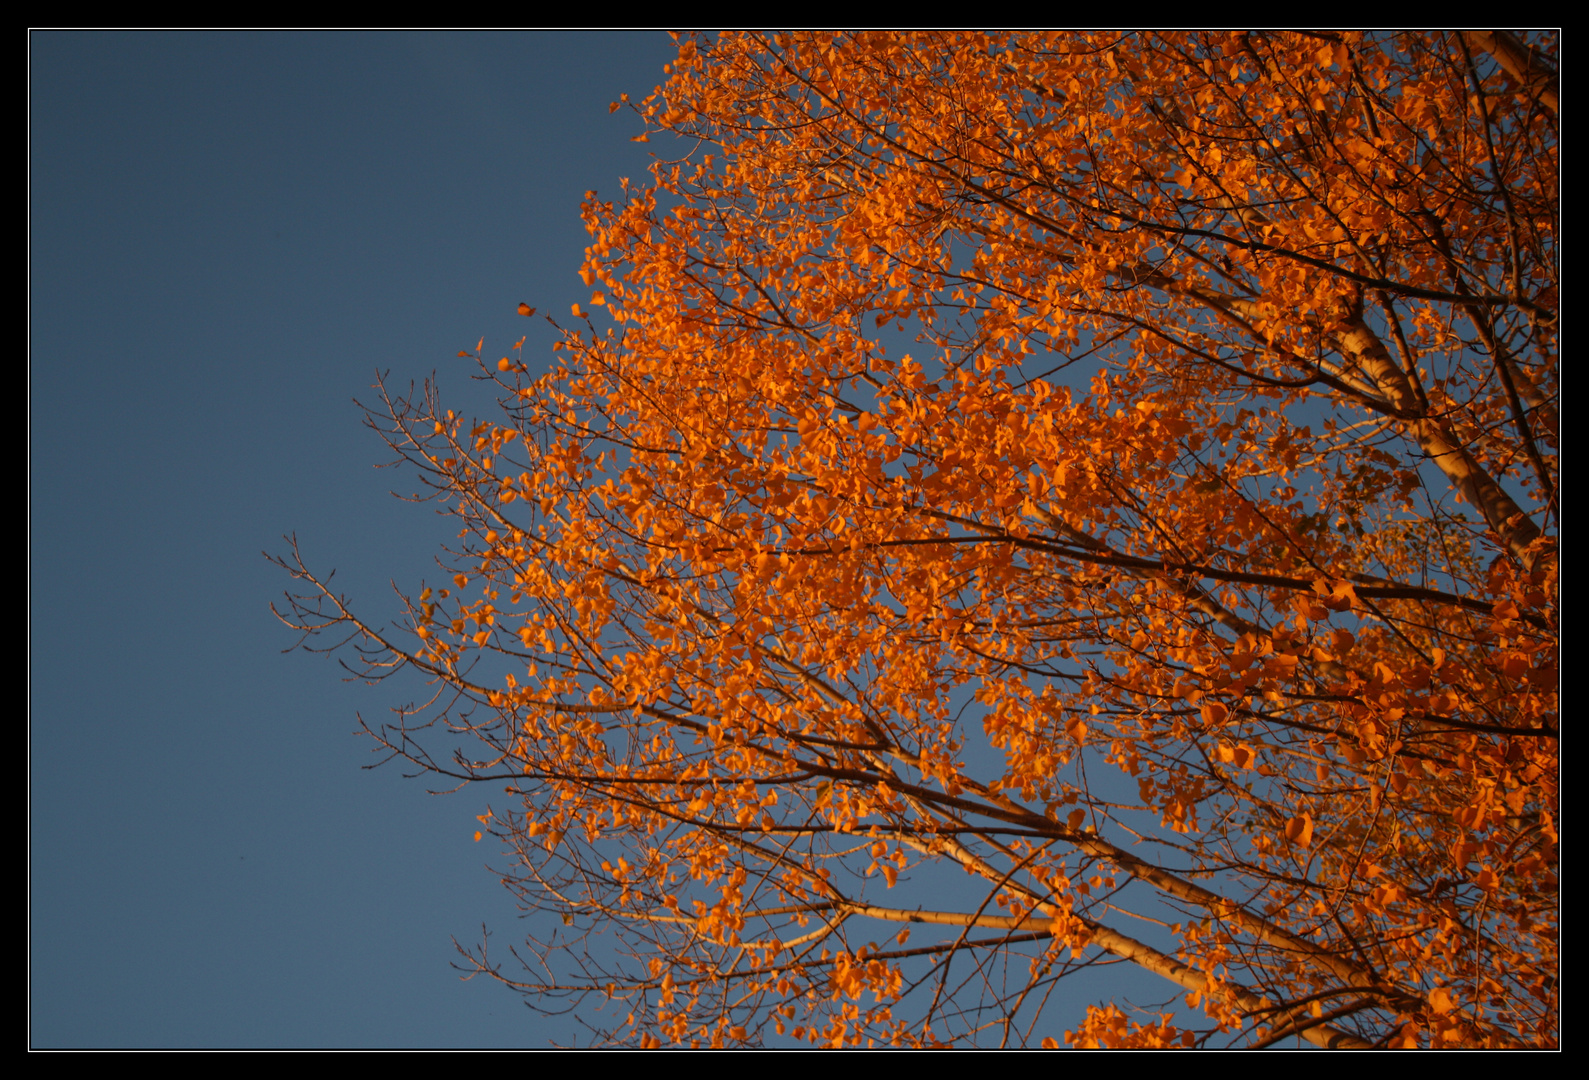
<point>229,235</point>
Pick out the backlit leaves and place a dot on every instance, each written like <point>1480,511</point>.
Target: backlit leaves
<point>1119,469</point>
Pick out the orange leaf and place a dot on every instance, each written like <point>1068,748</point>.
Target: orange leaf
<point>1299,830</point>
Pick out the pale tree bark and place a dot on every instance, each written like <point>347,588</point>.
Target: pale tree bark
<point>1501,513</point>
<point>1144,956</point>
<point>1518,61</point>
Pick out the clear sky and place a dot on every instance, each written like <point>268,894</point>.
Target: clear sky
<point>229,235</point>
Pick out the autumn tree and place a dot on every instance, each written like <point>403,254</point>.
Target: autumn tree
<point>1120,469</point>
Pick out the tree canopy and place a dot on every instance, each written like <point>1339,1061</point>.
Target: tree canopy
<point>1119,468</point>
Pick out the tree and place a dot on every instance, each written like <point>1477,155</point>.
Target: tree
<point>1119,468</point>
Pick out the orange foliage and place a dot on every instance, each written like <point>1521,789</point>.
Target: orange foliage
<point>1120,467</point>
